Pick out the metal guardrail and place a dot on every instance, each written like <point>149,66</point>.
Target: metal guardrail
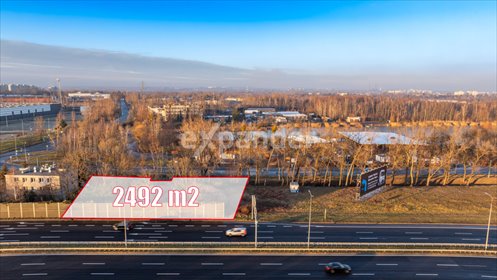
<point>246,247</point>
<point>166,244</point>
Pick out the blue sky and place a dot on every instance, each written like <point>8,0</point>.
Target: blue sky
<point>301,37</point>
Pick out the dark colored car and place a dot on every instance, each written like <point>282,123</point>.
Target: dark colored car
<point>336,267</point>
<point>121,225</point>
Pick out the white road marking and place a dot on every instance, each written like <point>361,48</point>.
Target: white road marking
<point>463,233</point>
<point>73,225</point>
<point>234,273</point>
<point>368,238</point>
<point>489,276</point>
<point>211,237</point>
<point>172,225</point>
<point>212,263</point>
<point>298,274</point>
<point>32,263</point>
<point>287,226</point>
<point>6,234</point>
<point>157,237</point>
<point>363,232</point>
<point>474,265</point>
<point>426,274</point>
<point>471,239</point>
<point>147,233</point>
<point>56,225</point>
<point>163,231</point>
<point>413,232</point>
<point>59,230</point>
<point>317,231</point>
<point>51,236</point>
<point>447,264</point>
<point>419,238</point>
<point>104,236</point>
<point>93,263</point>
<point>221,226</point>
<point>106,225</point>
<point>363,274</point>
<point>271,264</point>
<point>386,264</point>
<point>206,226</point>
<point>89,225</point>
<point>189,226</point>
<point>317,237</point>
<point>34,274</point>
<point>153,263</point>
<point>102,273</point>
<point>167,273</point>
<point>265,237</point>
<point>271,226</point>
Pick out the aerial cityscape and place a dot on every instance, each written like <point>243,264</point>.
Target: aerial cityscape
<point>248,139</point>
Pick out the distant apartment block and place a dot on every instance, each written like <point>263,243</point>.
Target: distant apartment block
<point>174,111</point>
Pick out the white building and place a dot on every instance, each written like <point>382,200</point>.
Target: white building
<point>88,95</point>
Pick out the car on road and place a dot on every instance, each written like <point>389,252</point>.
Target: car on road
<point>238,231</point>
<point>336,267</point>
<point>122,225</point>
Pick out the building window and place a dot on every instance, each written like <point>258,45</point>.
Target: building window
<point>16,179</point>
<point>33,180</point>
<point>48,180</point>
<point>40,180</point>
<point>24,180</point>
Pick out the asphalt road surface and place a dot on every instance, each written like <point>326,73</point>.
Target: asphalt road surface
<point>214,232</point>
<point>242,267</point>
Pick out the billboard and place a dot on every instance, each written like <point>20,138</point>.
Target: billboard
<point>182,198</point>
<point>373,180</point>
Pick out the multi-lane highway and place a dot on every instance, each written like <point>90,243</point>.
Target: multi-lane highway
<point>203,231</point>
<point>242,267</point>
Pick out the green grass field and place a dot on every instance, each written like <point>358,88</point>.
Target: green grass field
<point>7,145</point>
<point>449,204</point>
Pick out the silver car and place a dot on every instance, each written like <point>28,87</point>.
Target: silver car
<point>238,231</point>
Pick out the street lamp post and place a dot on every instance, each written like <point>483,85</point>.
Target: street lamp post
<point>310,217</point>
<point>489,219</point>
<point>254,213</point>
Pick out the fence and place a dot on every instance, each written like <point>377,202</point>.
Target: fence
<point>247,247</point>
<point>35,210</point>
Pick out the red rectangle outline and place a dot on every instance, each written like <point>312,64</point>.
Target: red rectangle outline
<point>158,219</point>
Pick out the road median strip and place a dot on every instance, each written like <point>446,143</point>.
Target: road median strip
<point>233,247</point>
